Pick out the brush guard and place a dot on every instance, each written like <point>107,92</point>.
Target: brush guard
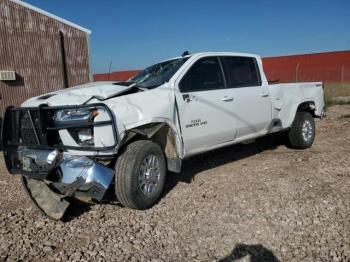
<point>50,175</point>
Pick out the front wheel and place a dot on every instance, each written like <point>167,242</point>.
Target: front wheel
<point>140,175</point>
<point>302,132</point>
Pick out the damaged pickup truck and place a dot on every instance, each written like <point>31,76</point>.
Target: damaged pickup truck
<point>82,141</point>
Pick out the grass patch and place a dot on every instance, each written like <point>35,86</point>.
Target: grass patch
<point>332,90</point>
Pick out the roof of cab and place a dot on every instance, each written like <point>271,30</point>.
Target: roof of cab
<point>213,54</point>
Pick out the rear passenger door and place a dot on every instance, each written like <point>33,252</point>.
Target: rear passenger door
<point>251,100</point>
<point>205,106</point>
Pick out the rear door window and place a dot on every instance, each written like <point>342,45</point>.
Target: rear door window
<point>241,71</point>
<point>205,74</point>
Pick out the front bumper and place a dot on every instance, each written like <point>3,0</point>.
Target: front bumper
<point>66,174</point>
<point>51,175</point>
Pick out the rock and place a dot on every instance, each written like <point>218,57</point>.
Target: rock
<point>47,248</point>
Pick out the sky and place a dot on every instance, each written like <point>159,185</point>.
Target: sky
<point>133,34</point>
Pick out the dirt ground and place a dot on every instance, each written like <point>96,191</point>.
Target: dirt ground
<point>261,201</point>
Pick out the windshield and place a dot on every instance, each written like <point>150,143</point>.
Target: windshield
<point>157,74</point>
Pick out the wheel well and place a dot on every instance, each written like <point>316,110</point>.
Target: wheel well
<point>161,134</point>
<point>308,106</point>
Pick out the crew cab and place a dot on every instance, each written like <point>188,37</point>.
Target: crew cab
<point>81,141</point>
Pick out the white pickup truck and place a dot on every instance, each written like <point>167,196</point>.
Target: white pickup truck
<point>81,141</point>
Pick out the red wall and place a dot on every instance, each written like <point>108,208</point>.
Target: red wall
<point>116,76</point>
<point>325,67</point>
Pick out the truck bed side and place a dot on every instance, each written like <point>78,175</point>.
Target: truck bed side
<point>286,98</point>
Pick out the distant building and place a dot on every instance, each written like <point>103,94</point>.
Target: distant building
<point>116,76</point>
<point>39,53</point>
<point>325,67</point>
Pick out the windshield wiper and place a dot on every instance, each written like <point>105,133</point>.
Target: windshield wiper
<point>122,83</point>
<point>135,85</point>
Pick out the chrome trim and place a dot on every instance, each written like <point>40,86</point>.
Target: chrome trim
<point>149,174</point>
<point>307,131</point>
<point>79,173</point>
<point>68,174</point>
<point>35,159</point>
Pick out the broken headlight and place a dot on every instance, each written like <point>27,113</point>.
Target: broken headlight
<point>86,137</point>
<point>77,121</point>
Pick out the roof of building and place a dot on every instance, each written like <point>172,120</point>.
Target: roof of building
<point>36,9</point>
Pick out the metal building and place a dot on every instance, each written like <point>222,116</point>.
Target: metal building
<point>39,53</point>
<point>325,67</point>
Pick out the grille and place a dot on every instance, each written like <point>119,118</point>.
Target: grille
<point>29,124</point>
<point>29,127</point>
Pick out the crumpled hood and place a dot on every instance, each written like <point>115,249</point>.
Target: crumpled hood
<point>76,95</point>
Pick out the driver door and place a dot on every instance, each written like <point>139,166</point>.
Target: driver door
<point>205,106</point>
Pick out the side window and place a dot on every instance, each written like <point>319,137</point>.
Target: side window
<point>205,74</point>
<point>241,71</point>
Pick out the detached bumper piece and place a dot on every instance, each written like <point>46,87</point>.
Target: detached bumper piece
<point>52,204</point>
<point>50,175</point>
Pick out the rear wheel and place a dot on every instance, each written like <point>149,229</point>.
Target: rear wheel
<point>302,132</point>
<point>140,175</point>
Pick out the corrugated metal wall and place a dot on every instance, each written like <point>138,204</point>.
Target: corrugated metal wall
<point>325,67</point>
<point>30,45</point>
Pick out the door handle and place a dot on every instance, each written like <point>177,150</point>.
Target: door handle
<point>187,98</point>
<point>264,94</point>
<point>227,98</point>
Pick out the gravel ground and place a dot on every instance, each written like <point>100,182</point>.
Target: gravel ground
<point>261,201</point>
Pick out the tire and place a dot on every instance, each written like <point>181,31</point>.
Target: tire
<point>302,132</point>
<point>132,188</point>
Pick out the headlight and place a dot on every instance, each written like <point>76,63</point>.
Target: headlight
<point>75,116</point>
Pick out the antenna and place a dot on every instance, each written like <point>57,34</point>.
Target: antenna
<point>109,71</point>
